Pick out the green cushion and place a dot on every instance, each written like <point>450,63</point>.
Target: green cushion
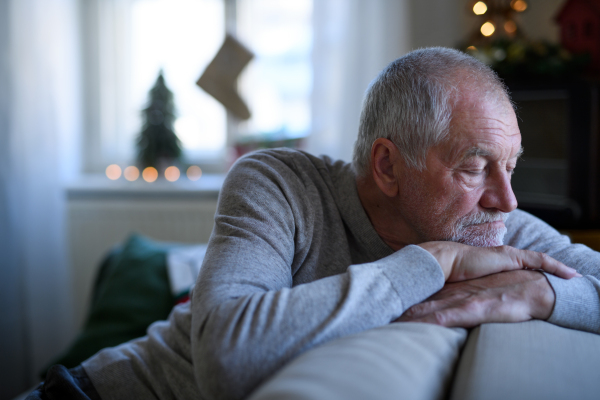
<point>132,291</point>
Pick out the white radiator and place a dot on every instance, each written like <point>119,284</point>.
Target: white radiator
<point>98,219</point>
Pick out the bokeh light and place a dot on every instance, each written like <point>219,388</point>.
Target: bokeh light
<point>472,48</point>
<point>518,5</point>
<point>113,172</point>
<point>510,27</point>
<point>131,173</point>
<point>172,173</point>
<point>194,173</point>
<point>150,174</point>
<point>487,29</point>
<point>480,8</point>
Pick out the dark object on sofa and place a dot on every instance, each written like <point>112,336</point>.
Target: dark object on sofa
<point>131,292</point>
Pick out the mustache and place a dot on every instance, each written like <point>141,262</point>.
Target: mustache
<point>482,217</point>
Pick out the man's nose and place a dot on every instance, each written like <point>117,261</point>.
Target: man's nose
<point>498,193</point>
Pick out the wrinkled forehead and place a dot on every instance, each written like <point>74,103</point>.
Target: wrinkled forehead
<point>473,108</point>
<point>482,123</point>
<point>470,94</point>
<point>468,89</point>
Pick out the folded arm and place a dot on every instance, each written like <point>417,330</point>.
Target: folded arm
<point>511,296</point>
<point>255,307</point>
<point>523,295</point>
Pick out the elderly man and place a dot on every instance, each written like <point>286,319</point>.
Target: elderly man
<point>306,250</point>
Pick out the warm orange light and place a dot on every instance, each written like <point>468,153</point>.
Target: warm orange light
<point>472,48</point>
<point>113,172</point>
<point>480,8</point>
<point>510,27</point>
<point>518,5</point>
<point>487,29</point>
<point>172,173</point>
<point>131,173</point>
<point>150,174</point>
<point>194,173</point>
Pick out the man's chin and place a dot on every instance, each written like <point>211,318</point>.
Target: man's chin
<point>483,235</point>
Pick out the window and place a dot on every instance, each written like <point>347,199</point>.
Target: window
<point>180,37</point>
<point>127,43</point>
<point>280,78</point>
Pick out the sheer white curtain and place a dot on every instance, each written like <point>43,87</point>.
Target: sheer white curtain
<point>39,126</point>
<point>354,40</point>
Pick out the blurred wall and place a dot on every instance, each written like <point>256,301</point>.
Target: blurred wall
<point>436,22</point>
<point>538,20</point>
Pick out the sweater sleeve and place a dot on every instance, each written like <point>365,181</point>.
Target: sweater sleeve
<point>248,319</point>
<point>577,304</point>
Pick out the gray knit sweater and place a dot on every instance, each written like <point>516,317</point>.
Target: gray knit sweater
<point>294,262</point>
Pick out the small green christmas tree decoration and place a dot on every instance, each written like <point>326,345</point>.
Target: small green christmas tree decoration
<point>158,145</point>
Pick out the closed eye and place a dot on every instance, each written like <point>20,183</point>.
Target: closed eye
<point>475,172</point>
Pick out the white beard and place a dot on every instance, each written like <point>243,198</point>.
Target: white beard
<point>469,229</point>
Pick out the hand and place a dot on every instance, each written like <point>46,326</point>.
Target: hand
<point>512,296</point>
<point>461,262</point>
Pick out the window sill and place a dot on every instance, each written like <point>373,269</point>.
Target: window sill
<point>98,186</point>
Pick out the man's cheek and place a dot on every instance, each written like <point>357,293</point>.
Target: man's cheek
<point>469,186</point>
<point>465,201</point>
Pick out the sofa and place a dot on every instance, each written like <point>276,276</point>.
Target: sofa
<point>529,360</point>
<point>140,280</point>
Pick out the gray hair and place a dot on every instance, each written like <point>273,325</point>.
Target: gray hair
<point>411,102</point>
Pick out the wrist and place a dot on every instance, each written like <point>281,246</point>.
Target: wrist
<point>443,253</point>
<point>544,298</point>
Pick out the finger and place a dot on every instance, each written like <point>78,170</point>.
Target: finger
<point>431,306</point>
<point>417,311</point>
<point>451,317</point>
<point>472,263</point>
<point>472,314</point>
<point>535,260</point>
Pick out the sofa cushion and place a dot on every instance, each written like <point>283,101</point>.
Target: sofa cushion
<point>529,360</point>
<point>397,361</point>
<point>131,292</point>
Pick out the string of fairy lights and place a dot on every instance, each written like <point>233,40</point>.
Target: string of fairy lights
<point>150,174</point>
<point>498,18</point>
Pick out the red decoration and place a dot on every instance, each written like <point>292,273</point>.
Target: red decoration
<point>579,22</point>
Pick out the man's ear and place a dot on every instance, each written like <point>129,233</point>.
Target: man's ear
<point>385,164</point>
